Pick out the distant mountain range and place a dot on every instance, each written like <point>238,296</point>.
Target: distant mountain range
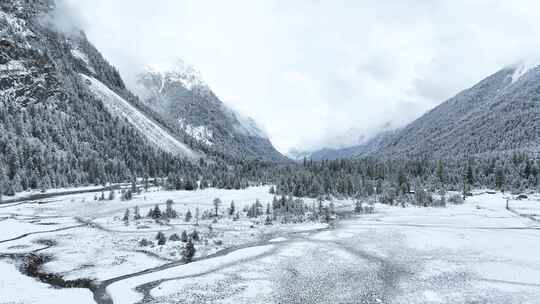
<point>499,114</point>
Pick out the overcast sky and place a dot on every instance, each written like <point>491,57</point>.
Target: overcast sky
<point>320,73</point>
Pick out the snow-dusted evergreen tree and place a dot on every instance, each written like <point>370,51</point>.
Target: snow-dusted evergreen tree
<point>232,209</point>
<point>184,236</point>
<point>189,251</point>
<point>136,213</point>
<point>195,236</point>
<point>112,195</point>
<point>188,216</point>
<point>161,239</point>
<point>126,216</point>
<point>169,210</point>
<point>156,213</point>
<point>217,203</point>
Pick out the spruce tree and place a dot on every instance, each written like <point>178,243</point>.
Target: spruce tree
<point>232,209</point>
<point>217,203</point>
<point>136,213</point>
<point>156,213</point>
<point>184,236</point>
<point>126,216</point>
<point>188,216</point>
<point>189,251</point>
<point>195,235</point>
<point>161,239</point>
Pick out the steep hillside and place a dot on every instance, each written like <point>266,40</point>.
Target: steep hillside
<point>499,114</point>
<point>185,101</point>
<point>55,130</point>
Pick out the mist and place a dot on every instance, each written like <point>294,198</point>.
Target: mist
<point>319,74</point>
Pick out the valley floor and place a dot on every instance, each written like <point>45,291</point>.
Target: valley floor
<point>477,252</point>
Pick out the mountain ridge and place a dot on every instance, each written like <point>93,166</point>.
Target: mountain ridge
<point>499,114</point>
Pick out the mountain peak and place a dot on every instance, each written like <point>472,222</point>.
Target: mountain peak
<point>179,94</point>
<point>180,72</point>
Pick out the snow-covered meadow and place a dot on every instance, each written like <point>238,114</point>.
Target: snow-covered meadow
<point>477,252</point>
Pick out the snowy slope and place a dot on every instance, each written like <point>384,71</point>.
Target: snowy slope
<point>117,106</point>
<point>500,114</point>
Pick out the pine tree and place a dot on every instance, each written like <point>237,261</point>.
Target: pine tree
<point>188,216</point>
<point>188,185</point>
<point>160,237</point>
<point>232,209</point>
<point>466,189</point>
<point>174,237</point>
<point>136,213</point>
<point>169,211</point>
<point>126,216</point>
<point>440,171</point>
<point>358,207</point>
<point>268,220</point>
<point>217,203</point>
<point>134,188</point>
<point>128,195</point>
<point>327,214</point>
<point>195,236</point>
<point>189,251</point>
<point>470,176</point>
<point>146,183</point>
<point>197,216</point>
<point>184,236</point>
<point>111,195</point>
<point>202,184</point>
<point>499,178</point>
<point>156,213</point>
<point>258,206</point>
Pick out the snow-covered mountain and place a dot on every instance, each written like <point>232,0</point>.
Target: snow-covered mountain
<point>66,116</point>
<point>499,114</point>
<point>183,99</point>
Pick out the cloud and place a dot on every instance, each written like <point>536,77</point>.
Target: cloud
<point>320,73</point>
<point>65,18</point>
